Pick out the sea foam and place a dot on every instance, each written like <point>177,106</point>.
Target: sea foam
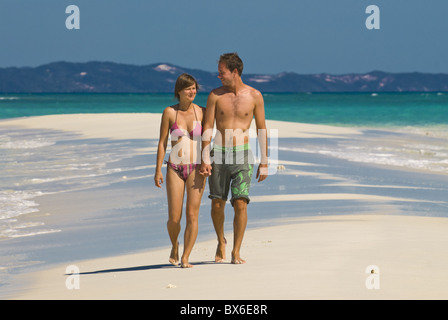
<point>42,162</point>
<point>411,149</point>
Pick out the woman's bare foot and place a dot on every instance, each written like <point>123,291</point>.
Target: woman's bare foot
<point>221,252</point>
<point>174,256</point>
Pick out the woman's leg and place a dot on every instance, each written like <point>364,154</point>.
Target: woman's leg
<point>195,188</point>
<point>175,187</point>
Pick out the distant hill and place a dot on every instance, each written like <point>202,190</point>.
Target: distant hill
<point>157,78</point>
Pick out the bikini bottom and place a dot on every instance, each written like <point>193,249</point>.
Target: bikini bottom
<point>182,170</point>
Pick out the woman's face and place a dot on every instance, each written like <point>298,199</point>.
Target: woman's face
<point>188,94</point>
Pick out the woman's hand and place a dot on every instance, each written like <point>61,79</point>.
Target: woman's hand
<point>158,179</point>
<point>205,170</point>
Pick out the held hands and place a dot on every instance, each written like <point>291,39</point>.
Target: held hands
<point>205,170</point>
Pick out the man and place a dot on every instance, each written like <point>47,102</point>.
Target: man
<point>232,106</point>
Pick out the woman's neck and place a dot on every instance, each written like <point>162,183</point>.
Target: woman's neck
<point>185,105</point>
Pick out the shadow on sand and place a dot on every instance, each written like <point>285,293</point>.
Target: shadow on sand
<point>143,268</point>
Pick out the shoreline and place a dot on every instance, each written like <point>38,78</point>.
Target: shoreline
<point>137,126</point>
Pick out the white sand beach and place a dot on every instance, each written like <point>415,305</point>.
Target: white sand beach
<point>346,229</point>
<point>309,258</point>
<point>147,125</point>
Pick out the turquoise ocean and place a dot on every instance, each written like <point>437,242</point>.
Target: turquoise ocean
<point>400,130</point>
<point>344,109</point>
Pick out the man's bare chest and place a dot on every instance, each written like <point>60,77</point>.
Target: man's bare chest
<point>235,106</point>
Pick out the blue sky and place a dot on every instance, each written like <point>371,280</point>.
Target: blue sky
<point>303,36</point>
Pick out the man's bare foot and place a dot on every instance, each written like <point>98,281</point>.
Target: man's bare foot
<point>174,256</point>
<point>186,265</point>
<point>221,252</point>
<point>236,259</point>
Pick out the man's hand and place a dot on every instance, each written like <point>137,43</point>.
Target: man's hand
<point>262,172</point>
<point>205,170</point>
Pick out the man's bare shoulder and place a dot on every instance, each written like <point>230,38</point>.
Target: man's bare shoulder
<point>219,91</point>
<point>254,92</point>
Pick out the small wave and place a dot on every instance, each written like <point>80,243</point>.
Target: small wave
<point>24,144</point>
<point>18,234</point>
<point>9,98</point>
<point>436,131</point>
<point>412,156</point>
<point>19,231</point>
<point>15,203</point>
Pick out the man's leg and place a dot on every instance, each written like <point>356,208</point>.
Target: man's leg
<point>240,185</point>
<point>239,227</point>
<point>218,218</point>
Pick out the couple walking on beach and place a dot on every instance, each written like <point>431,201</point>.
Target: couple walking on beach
<point>228,165</point>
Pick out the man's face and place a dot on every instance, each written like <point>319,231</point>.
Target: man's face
<point>225,75</point>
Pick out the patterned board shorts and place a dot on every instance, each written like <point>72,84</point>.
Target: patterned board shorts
<point>232,169</point>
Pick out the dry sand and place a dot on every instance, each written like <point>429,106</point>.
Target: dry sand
<point>309,258</point>
<point>146,126</point>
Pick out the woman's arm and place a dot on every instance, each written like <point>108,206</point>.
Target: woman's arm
<point>161,149</point>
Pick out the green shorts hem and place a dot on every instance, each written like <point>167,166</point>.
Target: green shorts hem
<point>232,200</point>
<point>239,197</point>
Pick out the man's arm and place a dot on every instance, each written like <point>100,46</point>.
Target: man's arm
<point>260,122</point>
<point>209,121</point>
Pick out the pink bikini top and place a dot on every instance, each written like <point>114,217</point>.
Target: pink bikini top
<point>178,132</point>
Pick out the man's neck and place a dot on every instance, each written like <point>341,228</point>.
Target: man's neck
<point>237,86</point>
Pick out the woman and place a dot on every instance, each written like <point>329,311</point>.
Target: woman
<point>184,122</point>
